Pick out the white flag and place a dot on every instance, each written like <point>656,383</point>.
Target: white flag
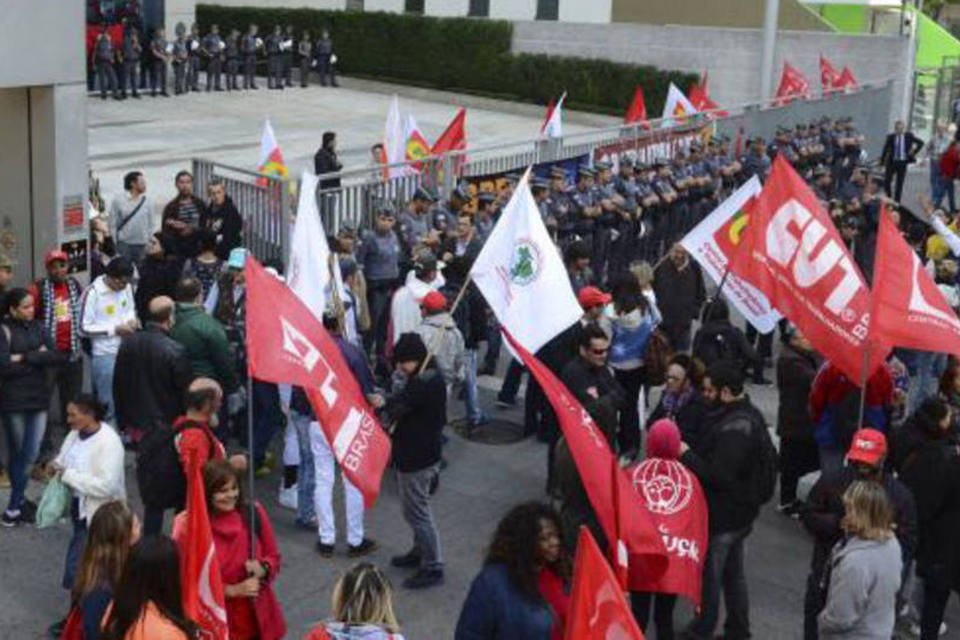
<point>552,126</point>
<point>712,243</point>
<point>310,265</point>
<point>677,107</point>
<point>394,142</point>
<point>520,273</point>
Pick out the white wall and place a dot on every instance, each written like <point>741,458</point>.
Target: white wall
<point>41,42</point>
<point>445,8</point>
<point>514,9</point>
<point>599,11</point>
<point>395,6</point>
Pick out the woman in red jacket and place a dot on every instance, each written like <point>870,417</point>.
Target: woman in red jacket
<point>253,612</point>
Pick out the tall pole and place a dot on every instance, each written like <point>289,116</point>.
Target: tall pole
<point>910,69</point>
<point>770,13</point>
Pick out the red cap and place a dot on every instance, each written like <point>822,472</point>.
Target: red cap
<point>869,446</point>
<point>54,255</point>
<point>434,301</point>
<point>592,297</point>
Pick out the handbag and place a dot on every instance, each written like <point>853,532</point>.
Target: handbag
<point>54,504</point>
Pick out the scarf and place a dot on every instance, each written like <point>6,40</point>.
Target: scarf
<point>673,401</point>
<point>49,326</point>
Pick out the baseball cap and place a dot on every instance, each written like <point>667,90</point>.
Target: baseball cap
<point>592,297</point>
<point>433,302</point>
<point>238,255</point>
<point>869,446</point>
<point>53,255</point>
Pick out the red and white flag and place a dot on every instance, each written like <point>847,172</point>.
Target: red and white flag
<point>675,500</point>
<point>794,255</point>
<point>793,86</point>
<point>552,126</point>
<point>637,111</point>
<point>287,344</point>
<point>271,162</point>
<point>202,586</point>
<point>846,80</point>
<point>829,76</point>
<point>626,523</point>
<point>908,308</point>
<point>598,607</point>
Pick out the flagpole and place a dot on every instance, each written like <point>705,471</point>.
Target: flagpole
<point>863,384</point>
<point>251,472</point>
<point>438,336</point>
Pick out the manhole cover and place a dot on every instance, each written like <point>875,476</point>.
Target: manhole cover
<point>494,432</point>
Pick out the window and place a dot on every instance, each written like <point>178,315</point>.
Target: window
<point>479,9</point>
<point>548,9</point>
<point>413,6</point>
<point>354,5</point>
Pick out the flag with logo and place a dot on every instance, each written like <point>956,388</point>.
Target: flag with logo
<point>625,522</point>
<point>271,162</point>
<point>847,80</point>
<point>909,309</point>
<point>521,274</point>
<point>598,607</point>
<point>677,505</point>
<point>793,86</point>
<point>552,126</point>
<point>417,148</point>
<point>201,583</point>
<point>829,76</point>
<point>715,241</point>
<point>794,255</point>
<point>637,111</point>
<point>677,107</point>
<point>287,344</point>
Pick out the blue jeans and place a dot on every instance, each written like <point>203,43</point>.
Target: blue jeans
<point>101,371</point>
<point>723,571</point>
<point>470,392</point>
<point>266,419</point>
<point>306,479</point>
<point>75,548</point>
<point>940,186</point>
<point>24,431</point>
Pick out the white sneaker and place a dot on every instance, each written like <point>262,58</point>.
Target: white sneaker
<point>288,498</point>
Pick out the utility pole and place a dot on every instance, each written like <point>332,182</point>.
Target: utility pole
<point>770,13</point>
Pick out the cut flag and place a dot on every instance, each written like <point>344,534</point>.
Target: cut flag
<point>846,80</point>
<point>286,344</point>
<point>271,159</point>
<point>203,596</point>
<point>552,126</point>
<point>794,255</point>
<point>909,310</point>
<point>521,274</point>
<point>715,241</point>
<point>625,521</point>
<point>598,608</point>
<point>453,138</point>
<point>394,142</point>
<point>793,85</point>
<point>677,107</point>
<point>637,111</point>
<point>829,77</point>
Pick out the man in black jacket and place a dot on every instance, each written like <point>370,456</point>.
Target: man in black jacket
<point>726,464</point>
<point>899,150</point>
<point>678,284</point>
<point>151,375</point>
<point>420,412</point>
<point>825,511</point>
<point>223,219</point>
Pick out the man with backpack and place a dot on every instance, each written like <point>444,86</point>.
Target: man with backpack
<point>718,340</point>
<point>736,463</point>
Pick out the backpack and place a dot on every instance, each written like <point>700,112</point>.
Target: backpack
<point>714,345</point>
<point>160,475</point>
<point>763,477</point>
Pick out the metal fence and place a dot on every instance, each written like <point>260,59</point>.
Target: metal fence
<point>268,204</point>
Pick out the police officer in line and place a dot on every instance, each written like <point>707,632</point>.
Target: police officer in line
<point>755,162</point>
<point>132,51</point>
<point>540,188</point>
<point>160,50</point>
<point>231,54</point>
<point>181,58</point>
<point>625,185</point>
<point>273,45</point>
<point>445,216</point>
<point>415,227</point>
<point>324,57</point>
<point>103,58</point>
<point>584,207</point>
<point>213,47</point>
<point>485,218</point>
<point>193,63</point>
<point>559,204</point>
<point>289,42</point>
<point>305,51</point>
<point>663,186</point>
<point>606,229</point>
<point>248,50</point>
<point>682,179</point>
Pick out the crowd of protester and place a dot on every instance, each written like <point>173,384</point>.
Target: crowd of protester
<point>162,325</point>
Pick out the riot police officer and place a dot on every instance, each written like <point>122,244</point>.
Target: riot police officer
<point>484,218</point>
<point>585,210</point>
<point>193,58</point>
<point>415,227</point>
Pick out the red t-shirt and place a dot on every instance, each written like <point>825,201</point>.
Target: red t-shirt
<point>62,318</point>
<point>553,590</point>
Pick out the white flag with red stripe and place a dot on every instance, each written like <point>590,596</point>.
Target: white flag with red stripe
<point>552,126</point>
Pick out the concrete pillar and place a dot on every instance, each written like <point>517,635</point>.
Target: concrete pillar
<point>770,15</point>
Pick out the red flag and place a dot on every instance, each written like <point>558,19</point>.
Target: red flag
<point>453,138</point>
<point>637,111</point>
<point>626,523</point>
<point>908,308</point>
<point>678,507</point>
<point>287,344</point>
<point>202,585</point>
<point>829,77</point>
<point>793,85</point>
<point>846,80</point>
<point>598,608</point>
<point>703,81</point>
<point>700,99</point>
<point>794,254</point>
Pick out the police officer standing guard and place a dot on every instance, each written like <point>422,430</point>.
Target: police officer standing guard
<point>305,50</point>
<point>272,45</point>
<point>248,47</point>
<point>131,64</point>
<point>289,42</point>
<point>103,59</point>
<point>213,47</point>
<point>161,54</point>
<point>181,56</point>
<point>324,55</point>
<point>193,61</point>
<point>232,55</point>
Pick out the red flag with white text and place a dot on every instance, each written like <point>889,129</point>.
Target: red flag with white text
<point>846,80</point>
<point>908,308</point>
<point>700,98</point>
<point>202,590</point>
<point>598,607</point>
<point>829,76</point>
<point>287,344</point>
<point>626,523</point>
<point>637,111</point>
<point>794,254</point>
<point>793,86</point>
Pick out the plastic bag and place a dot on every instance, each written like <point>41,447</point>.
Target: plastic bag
<point>54,504</point>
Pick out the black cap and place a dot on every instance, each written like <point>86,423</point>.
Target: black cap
<point>558,172</point>
<point>539,184</point>
<point>486,197</point>
<point>585,172</point>
<point>424,194</point>
<point>120,267</point>
<point>461,191</point>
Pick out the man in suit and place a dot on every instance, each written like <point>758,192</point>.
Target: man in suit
<point>899,150</point>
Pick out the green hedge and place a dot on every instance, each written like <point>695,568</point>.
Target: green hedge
<point>465,55</point>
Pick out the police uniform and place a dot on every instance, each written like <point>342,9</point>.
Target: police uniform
<point>288,44</point>
<point>158,70</point>
<point>131,64</point>
<point>582,199</point>
<point>103,57</point>
<point>485,225</point>
<point>304,50</point>
<point>193,59</point>
<point>560,207</point>
<point>540,189</point>
<point>755,165</point>
<point>231,54</point>
<point>667,212</point>
<point>248,49</point>
<point>446,214</point>
<point>272,44</point>
<point>324,56</point>
<point>213,47</point>
<point>680,216</point>
<point>413,229</point>
<point>180,61</point>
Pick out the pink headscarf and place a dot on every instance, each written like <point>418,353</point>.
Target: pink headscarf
<point>663,440</point>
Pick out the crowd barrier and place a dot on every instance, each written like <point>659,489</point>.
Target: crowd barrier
<point>269,204</point>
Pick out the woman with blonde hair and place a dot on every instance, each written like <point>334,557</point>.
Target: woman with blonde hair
<point>362,608</point>
<point>864,569</point>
